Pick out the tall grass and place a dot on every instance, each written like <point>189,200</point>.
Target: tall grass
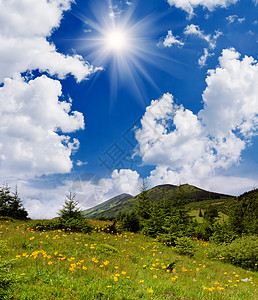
<point>100,265</point>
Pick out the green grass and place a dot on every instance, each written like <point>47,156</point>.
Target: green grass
<point>195,213</point>
<point>57,265</point>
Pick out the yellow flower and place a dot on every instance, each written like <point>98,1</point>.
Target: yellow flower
<point>141,281</point>
<point>84,268</point>
<point>150,291</point>
<point>123,272</point>
<point>197,269</point>
<point>50,262</point>
<point>22,274</point>
<point>109,286</point>
<point>32,238</point>
<point>115,278</point>
<point>155,276</point>
<point>106,262</point>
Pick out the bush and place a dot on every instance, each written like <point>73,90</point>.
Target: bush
<point>184,246</point>
<point>75,225</point>
<point>242,252</point>
<point>222,234</point>
<point>130,222</point>
<point>6,281</point>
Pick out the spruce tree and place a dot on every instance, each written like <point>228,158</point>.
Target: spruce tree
<point>70,208</point>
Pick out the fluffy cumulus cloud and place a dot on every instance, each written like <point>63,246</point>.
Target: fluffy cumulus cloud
<point>170,40</point>
<point>25,26</point>
<point>190,5</point>
<point>35,118</point>
<point>31,115</point>
<point>190,148</point>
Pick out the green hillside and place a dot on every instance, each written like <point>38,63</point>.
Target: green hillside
<point>99,210</point>
<point>187,193</point>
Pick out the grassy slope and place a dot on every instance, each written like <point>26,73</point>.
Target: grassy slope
<point>191,195</point>
<point>101,208</point>
<point>56,265</point>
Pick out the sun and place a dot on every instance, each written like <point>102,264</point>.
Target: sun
<point>117,40</point>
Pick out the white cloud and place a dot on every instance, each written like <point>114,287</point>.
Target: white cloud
<point>170,40</point>
<point>190,5</point>
<point>203,59</point>
<point>114,11</point>
<point>90,190</point>
<point>185,146</point>
<point>35,119</point>
<point>255,2</point>
<point>211,40</point>
<point>233,18</point>
<point>123,181</point>
<point>32,125</point>
<point>17,55</point>
<point>80,163</point>
<point>25,26</point>
<point>195,30</point>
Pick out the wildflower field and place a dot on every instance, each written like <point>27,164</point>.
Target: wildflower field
<point>102,265</point>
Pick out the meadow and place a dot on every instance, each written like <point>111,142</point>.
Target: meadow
<point>101,265</point>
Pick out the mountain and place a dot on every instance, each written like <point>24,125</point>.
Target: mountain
<point>99,210</point>
<point>190,195</point>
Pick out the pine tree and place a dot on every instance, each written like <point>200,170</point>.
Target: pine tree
<point>11,205</point>
<point>143,203</point>
<point>70,208</point>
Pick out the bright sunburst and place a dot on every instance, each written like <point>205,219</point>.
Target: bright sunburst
<point>117,40</point>
<point>120,44</point>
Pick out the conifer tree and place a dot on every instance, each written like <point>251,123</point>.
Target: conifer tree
<point>70,208</point>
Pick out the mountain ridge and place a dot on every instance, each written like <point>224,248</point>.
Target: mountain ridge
<point>124,203</point>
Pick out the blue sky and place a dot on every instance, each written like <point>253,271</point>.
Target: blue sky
<point>98,95</point>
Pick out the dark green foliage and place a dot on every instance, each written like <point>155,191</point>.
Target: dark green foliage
<point>142,206</point>
<point>222,233</point>
<point>211,214</point>
<point>184,246</point>
<point>203,230</point>
<point>130,221</point>
<point>243,215</point>
<point>71,219</point>
<point>200,213</point>
<point>70,209</point>
<point>10,204</point>
<point>6,280</point>
<point>242,252</point>
<point>167,219</point>
<point>112,229</point>
<point>72,224</point>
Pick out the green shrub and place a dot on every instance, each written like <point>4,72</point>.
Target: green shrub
<point>130,222</point>
<point>222,234</point>
<point>6,280</point>
<point>242,252</point>
<point>184,246</point>
<point>75,225</point>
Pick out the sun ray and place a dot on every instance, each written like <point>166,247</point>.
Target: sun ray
<point>123,46</point>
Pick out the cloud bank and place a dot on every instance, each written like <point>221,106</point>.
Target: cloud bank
<point>35,118</point>
<point>191,148</point>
